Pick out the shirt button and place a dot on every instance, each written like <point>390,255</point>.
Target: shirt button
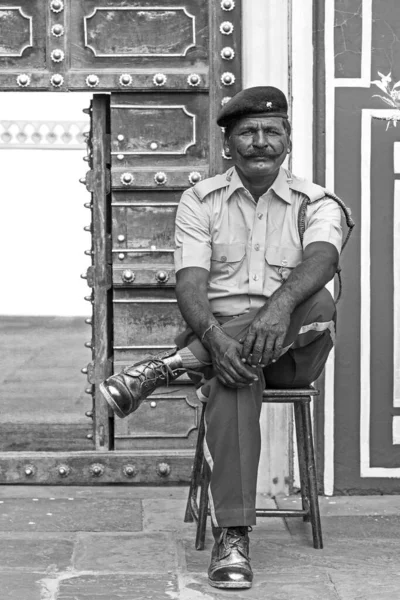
<point>256,246</point>
<point>259,215</point>
<point>223,258</point>
<point>255,277</point>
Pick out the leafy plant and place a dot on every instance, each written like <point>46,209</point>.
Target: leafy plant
<point>391,97</point>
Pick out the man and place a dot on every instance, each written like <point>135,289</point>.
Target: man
<point>254,299</point>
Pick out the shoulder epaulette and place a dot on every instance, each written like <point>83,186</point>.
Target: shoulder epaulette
<point>313,191</point>
<point>205,187</point>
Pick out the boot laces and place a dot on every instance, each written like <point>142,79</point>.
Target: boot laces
<point>232,538</point>
<point>151,371</point>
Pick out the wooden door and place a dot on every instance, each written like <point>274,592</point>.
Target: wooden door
<point>169,66</point>
<point>163,140</point>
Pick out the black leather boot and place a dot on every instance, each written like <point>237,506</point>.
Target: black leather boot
<point>125,391</point>
<point>230,562</point>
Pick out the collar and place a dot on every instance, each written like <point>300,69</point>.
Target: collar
<point>280,186</point>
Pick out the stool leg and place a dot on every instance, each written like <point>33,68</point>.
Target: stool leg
<point>192,512</point>
<point>203,509</point>
<point>312,476</point>
<point>298,419</point>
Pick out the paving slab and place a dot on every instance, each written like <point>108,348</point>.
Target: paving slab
<point>197,561</point>
<point>367,585</point>
<point>12,362</point>
<point>118,587</point>
<point>297,586</point>
<point>271,557</point>
<point>342,555</point>
<point>350,527</point>
<point>332,506</point>
<point>44,374</point>
<point>129,491</point>
<point>26,586</point>
<point>40,552</point>
<point>126,553</point>
<point>166,514</point>
<point>71,514</point>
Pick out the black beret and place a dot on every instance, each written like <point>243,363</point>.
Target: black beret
<point>262,100</point>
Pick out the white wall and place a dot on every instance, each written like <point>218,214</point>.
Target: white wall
<point>42,215</point>
<point>277,50</point>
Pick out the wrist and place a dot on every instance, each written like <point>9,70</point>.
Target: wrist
<point>213,337</point>
<point>282,301</point>
<point>208,332</point>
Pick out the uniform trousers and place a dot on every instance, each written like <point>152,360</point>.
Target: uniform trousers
<point>232,441</point>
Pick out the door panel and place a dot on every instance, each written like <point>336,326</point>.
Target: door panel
<point>151,178</point>
<point>140,321</point>
<point>147,275</point>
<point>160,34</point>
<point>145,227</point>
<point>165,128</point>
<point>156,197</point>
<point>144,258</point>
<point>23,46</point>
<point>152,424</point>
<point>19,27</point>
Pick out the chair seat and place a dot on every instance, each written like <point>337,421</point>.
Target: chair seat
<point>289,395</point>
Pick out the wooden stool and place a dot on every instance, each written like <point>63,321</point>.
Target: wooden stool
<point>308,476</point>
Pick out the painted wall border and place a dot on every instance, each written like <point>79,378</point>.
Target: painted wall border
<point>396,294</point>
<point>329,407</point>
<point>266,43</point>
<point>366,48</point>
<point>301,64</point>
<point>365,315</point>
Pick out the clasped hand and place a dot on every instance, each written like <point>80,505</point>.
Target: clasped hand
<point>234,361</point>
<point>227,361</point>
<point>264,341</point>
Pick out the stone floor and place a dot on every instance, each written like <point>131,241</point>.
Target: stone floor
<point>40,363</point>
<point>129,543</point>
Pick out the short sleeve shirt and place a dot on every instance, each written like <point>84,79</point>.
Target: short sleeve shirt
<point>249,247</point>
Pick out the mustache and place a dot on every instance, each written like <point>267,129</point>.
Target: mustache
<point>260,154</point>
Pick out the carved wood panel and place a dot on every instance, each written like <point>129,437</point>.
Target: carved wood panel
<point>165,30</point>
<point>152,424</point>
<point>23,44</point>
<point>141,321</point>
<point>160,128</point>
<point>16,32</point>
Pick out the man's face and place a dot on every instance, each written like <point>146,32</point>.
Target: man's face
<point>258,145</point>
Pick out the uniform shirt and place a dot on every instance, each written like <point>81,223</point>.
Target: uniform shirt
<point>249,247</point>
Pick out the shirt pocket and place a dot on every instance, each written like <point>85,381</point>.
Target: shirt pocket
<point>227,264</point>
<point>282,260</point>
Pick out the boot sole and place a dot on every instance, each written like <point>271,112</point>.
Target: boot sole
<point>111,402</point>
<point>230,584</point>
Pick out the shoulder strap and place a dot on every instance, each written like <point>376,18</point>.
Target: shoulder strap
<point>206,186</point>
<point>301,220</point>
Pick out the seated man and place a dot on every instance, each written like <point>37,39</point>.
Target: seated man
<point>252,292</point>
